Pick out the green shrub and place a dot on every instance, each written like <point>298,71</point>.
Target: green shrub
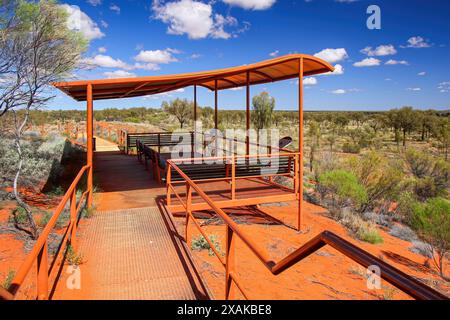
<point>431,220</point>
<point>19,216</point>
<point>344,186</point>
<point>363,230</point>
<point>46,216</point>
<point>73,258</point>
<point>200,243</point>
<point>351,148</point>
<point>369,234</point>
<point>8,279</point>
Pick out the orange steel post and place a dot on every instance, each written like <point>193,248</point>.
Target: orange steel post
<point>73,217</point>
<point>42,273</point>
<point>247,115</point>
<point>168,186</point>
<point>229,263</point>
<point>300,142</point>
<point>195,104</point>
<point>215,104</point>
<point>90,151</point>
<point>188,209</point>
<point>233,178</point>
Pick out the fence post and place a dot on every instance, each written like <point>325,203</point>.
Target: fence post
<point>168,184</point>
<point>188,209</point>
<point>73,217</point>
<point>233,178</point>
<point>296,174</point>
<point>229,263</point>
<point>42,273</point>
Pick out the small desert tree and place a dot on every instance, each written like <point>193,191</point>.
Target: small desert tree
<point>180,108</point>
<point>37,48</point>
<point>263,106</point>
<point>432,221</point>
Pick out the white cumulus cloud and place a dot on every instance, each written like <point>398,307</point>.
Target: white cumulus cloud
<point>119,74</point>
<point>251,4</point>
<point>195,19</point>
<point>383,50</point>
<point>274,53</point>
<point>394,62</point>
<point>310,81</point>
<point>156,56</point>
<point>417,42</point>
<point>80,21</point>
<point>338,91</point>
<point>367,62</point>
<point>332,55</point>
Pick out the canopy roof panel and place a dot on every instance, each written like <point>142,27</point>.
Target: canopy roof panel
<point>281,68</point>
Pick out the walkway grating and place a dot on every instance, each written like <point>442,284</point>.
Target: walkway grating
<point>133,254</point>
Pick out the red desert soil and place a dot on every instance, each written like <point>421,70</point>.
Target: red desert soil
<point>326,274</point>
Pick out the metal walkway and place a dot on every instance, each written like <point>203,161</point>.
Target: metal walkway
<point>134,254</point>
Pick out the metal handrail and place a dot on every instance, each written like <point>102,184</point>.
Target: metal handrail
<point>394,276</point>
<point>39,252</point>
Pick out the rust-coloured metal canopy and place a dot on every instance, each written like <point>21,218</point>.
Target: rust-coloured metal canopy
<point>281,68</point>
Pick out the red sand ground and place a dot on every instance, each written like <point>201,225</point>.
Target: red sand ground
<point>327,274</point>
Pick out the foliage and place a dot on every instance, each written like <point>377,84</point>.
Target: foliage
<point>263,107</point>
<point>380,178</point>
<point>344,186</point>
<point>8,279</point>
<point>42,158</point>
<point>180,108</point>
<point>350,148</point>
<point>200,243</point>
<point>432,221</point>
<point>363,230</point>
<point>73,258</point>
<point>432,177</point>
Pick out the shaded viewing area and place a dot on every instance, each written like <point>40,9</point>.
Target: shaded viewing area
<point>133,247</point>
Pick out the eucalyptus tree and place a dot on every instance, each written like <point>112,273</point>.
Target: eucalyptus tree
<point>37,48</point>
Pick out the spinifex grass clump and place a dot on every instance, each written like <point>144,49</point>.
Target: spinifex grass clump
<point>199,243</point>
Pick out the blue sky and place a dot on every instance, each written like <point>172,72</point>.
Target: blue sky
<point>404,63</point>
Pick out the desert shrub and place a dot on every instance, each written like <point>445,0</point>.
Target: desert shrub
<point>403,232</point>
<point>405,204</point>
<point>419,163</point>
<point>351,148</point>
<point>88,212</point>
<point>431,220</point>
<point>432,176</point>
<point>73,258</point>
<point>421,248</point>
<point>378,218</point>
<point>363,230</point>
<point>42,159</point>
<point>200,243</point>
<point>380,178</point>
<point>19,216</point>
<point>344,187</point>
<point>45,218</point>
<point>369,234</point>
<point>8,279</point>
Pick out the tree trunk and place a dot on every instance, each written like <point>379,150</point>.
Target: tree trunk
<point>20,202</point>
<point>404,137</point>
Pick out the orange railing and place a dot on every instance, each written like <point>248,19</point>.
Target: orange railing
<point>289,171</point>
<point>39,253</point>
<point>399,279</point>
